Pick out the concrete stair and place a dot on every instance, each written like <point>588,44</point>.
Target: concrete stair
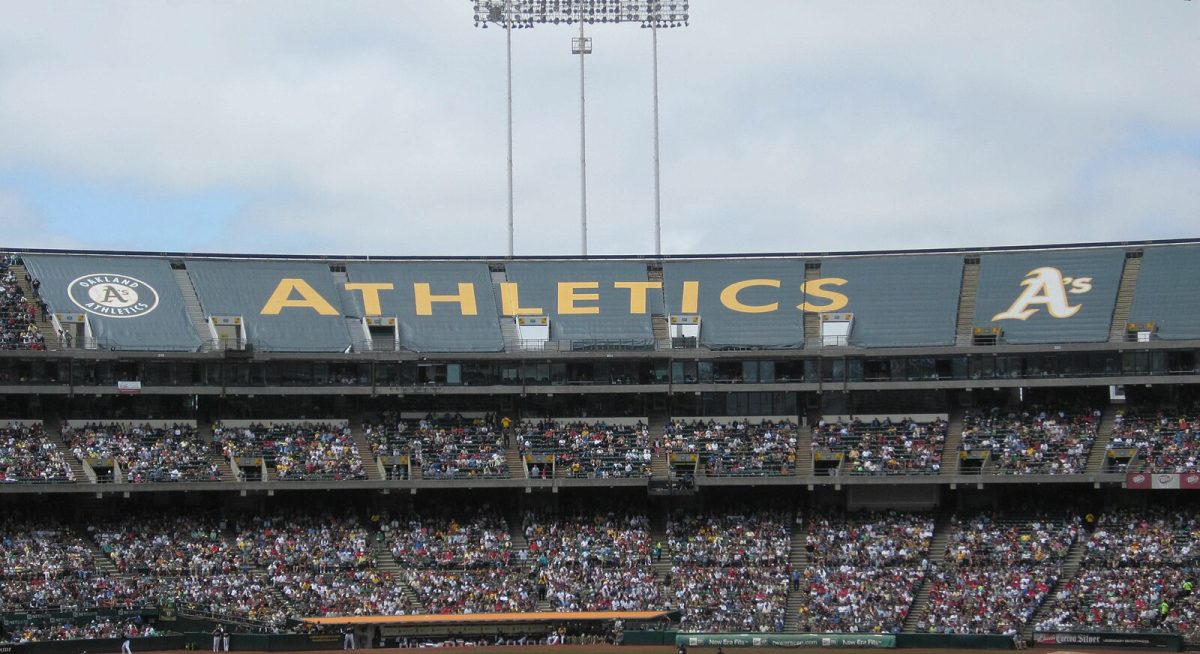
<point>508,325</point>
<point>798,559</point>
<point>1099,453</point>
<point>43,324</point>
<point>658,322</point>
<point>804,451</point>
<point>516,464</point>
<point>195,310</point>
<point>658,534</point>
<point>370,461</point>
<point>965,327</point>
<point>950,451</point>
<point>385,564</point>
<point>937,555</point>
<point>812,321</point>
<point>82,474</point>
<point>657,424</point>
<point>1129,279</point>
<point>662,332</point>
<point>1070,569</point>
<point>204,431</point>
<point>104,564</point>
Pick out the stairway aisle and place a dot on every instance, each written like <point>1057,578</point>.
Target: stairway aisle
<point>950,451</point>
<point>103,562</point>
<point>370,461</point>
<point>658,534</point>
<point>804,451</point>
<point>385,563</point>
<point>657,425</point>
<point>195,311</point>
<point>43,324</point>
<point>968,291</point>
<point>798,558</point>
<point>937,554</point>
<point>1099,454</point>
<point>1129,279</point>
<point>1070,570</point>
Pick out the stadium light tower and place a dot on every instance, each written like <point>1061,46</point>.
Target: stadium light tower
<point>651,14</point>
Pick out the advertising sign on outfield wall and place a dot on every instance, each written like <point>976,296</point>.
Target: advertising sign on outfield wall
<point>1163,481</point>
<point>1172,642</point>
<point>857,641</point>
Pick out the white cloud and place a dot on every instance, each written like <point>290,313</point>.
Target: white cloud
<point>376,127</point>
<point>24,227</point>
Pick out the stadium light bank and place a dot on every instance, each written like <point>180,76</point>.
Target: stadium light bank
<point>524,14</point>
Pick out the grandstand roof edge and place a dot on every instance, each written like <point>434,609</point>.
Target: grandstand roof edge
<point>334,258</point>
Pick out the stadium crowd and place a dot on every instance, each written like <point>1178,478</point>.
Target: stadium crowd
<point>884,447</point>
<point>26,455</point>
<point>18,314</point>
<point>985,600</point>
<point>297,451</point>
<point>850,599</point>
<point>1036,441</point>
<point>490,590</point>
<point>592,560</point>
<point>1144,537</point>
<point>145,453</point>
<point>738,448</point>
<point>869,540</point>
<point>457,449</point>
<point>1166,442</point>
<point>589,449</point>
<point>435,539</point>
<point>739,538</point>
<point>163,545</point>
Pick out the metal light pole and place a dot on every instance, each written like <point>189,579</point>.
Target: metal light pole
<point>582,46</point>
<point>657,168</point>
<point>508,76</point>
<point>652,14</point>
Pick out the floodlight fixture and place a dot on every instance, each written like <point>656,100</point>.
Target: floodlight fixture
<point>525,14</point>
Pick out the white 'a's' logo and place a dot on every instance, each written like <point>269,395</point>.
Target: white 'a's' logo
<point>1046,285</point>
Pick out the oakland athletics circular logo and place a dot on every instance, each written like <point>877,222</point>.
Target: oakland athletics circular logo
<point>113,296</point>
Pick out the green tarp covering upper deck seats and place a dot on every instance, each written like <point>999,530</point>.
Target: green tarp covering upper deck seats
<point>131,303</point>
<point>767,292</point>
<point>599,294</point>
<point>899,301</point>
<point>1168,292</point>
<point>1049,296</point>
<point>450,325</point>
<point>311,318</point>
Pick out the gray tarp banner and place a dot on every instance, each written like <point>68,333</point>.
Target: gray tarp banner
<point>1051,296</point>
<point>900,301</point>
<point>549,285</point>
<point>741,303</point>
<point>448,327</point>
<point>1168,291</point>
<point>131,303</point>
<point>308,317</point>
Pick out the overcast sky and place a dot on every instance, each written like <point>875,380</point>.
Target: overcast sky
<point>354,127</point>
